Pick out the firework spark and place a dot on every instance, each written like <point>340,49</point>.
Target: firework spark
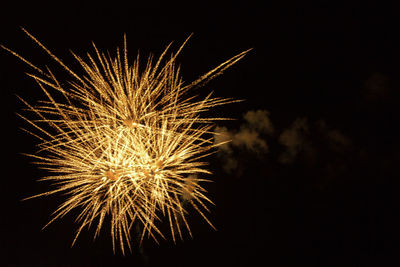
<point>124,144</point>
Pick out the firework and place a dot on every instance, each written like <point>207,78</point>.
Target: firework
<point>124,144</point>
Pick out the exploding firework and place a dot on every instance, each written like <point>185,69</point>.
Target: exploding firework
<point>124,144</point>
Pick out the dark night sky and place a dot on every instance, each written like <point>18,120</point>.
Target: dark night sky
<point>328,74</point>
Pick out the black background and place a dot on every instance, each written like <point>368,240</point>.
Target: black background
<point>309,59</point>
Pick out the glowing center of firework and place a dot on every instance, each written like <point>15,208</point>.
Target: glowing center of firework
<point>150,173</point>
<point>112,175</point>
<point>159,164</point>
<point>130,123</point>
<point>154,170</point>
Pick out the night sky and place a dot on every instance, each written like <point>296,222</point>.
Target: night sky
<point>311,177</point>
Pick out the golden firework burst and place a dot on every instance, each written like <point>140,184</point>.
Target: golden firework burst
<point>124,143</point>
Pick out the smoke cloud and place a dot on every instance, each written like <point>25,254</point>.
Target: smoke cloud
<point>305,141</point>
<point>294,140</point>
<point>336,140</point>
<point>250,137</point>
<point>301,140</point>
<point>259,120</point>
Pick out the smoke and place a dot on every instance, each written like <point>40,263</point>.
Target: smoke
<point>336,140</point>
<point>259,121</point>
<point>302,140</point>
<point>189,188</point>
<point>250,138</point>
<point>294,140</point>
<point>306,141</point>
